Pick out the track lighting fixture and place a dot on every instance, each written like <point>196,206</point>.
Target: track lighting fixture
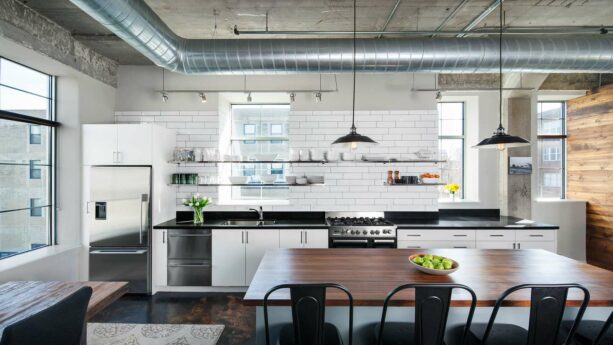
<point>202,97</point>
<point>318,97</point>
<point>439,96</point>
<point>164,97</point>
<point>249,99</point>
<point>292,97</point>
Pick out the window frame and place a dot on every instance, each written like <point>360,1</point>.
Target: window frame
<point>563,138</point>
<point>456,137</point>
<point>52,124</point>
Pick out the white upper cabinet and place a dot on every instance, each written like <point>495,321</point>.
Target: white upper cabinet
<point>134,144</point>
<point>117,144</point>
<point>99,144</point>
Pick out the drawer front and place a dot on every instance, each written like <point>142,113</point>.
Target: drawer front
<point>436,235</point>
<point>435,244</point>
<point>496,235</point>
<point>535,235</point>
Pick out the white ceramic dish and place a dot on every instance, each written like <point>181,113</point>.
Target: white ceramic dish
<point>454,267</point>
<point>267,178</point>
<point>317,155</point>
<point>332,156</point>
<point>238,179</point>
<point>266,156</point>
<point>315,179</point>
<point>429,180</point>
<point>301,180</point>
<point>290,179</point>
<point>305,155</point>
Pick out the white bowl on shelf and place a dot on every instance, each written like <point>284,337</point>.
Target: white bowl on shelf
<point>301,180</point>
<point>268,178</point>
<point>427,180</point>
<point>238,179</point>
<point>290,179</point>
<point>266,156</point>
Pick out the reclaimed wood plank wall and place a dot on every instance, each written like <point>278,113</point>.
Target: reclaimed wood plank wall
<point>590,168</point>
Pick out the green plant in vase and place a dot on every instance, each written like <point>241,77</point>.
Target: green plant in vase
<point>198,203</point>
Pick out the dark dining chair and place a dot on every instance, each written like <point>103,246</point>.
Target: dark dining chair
<point>61,323</point>
<point>431,310</point>
<point>547,305</point>
<point>308,327</point>
<point>592,332</point>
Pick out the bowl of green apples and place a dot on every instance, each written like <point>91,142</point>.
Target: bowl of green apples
<point>434,264</point>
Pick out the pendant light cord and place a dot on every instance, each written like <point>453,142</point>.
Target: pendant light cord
<point>500,65</point>
<point>354,50</point>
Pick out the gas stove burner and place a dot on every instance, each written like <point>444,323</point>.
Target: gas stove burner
<point>358,221</point>
<point>360,225</point>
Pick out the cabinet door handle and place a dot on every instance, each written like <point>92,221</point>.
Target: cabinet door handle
<point>514,245</point>
<point>306,240</point>
<point>242,237</point>
<point>413,247</point>
<point>460,235</point>
<point>164,237</point>
<point>247,237</point>
<point>460,247</point>
<point>496,235</point>
<point>411,235</point>
<point>519,246</point>
<point>301,241</point>
<point>536,235</point>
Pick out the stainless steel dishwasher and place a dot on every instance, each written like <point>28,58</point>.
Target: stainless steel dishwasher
<point>189,257</point>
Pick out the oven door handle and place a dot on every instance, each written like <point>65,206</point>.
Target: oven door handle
<point>349,241</point>
<point>383,241</point>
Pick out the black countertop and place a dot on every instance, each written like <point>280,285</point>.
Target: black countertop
<point>316,220</point>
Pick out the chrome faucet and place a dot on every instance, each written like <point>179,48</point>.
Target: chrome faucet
<point>260,212</point>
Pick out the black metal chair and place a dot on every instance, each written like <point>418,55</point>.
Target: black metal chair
<point>61,323</point>
<point>431,311</point>
<point>548,302</point>
<point>308,327</point>
<point>592,332</point>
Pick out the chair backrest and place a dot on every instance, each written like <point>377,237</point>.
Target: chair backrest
<point>547,305</point>
<point>431,311</point>
<point>308,303</point>
<point>604,330</point>
<point>61,323</point>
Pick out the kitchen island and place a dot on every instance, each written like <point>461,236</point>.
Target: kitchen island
<point>371,273</point>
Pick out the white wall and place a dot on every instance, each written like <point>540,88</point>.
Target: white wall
<point>80,99</point>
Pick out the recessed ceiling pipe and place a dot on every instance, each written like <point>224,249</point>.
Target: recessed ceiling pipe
<point>139,26</point>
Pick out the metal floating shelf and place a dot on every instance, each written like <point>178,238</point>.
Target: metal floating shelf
<point>251,185</point>
<point>434,161</point>
<point>414,184</point>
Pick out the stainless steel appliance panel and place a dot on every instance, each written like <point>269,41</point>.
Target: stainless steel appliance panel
<point>118,208</point>
<point>189,244</point>
<point>189,273</point>
<point>121,264</point>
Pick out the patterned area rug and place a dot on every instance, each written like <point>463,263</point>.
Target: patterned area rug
<point>152,334</point>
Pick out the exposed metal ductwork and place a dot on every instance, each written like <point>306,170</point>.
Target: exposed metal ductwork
<point>137,24</point>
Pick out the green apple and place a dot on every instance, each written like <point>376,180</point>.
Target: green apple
<point>418,260</point>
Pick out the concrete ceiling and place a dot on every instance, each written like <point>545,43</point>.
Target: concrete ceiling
<point>196,18</point>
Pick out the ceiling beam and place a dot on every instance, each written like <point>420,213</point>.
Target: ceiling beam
<point>473,23</point>
<point>451,15</point>
<point>389,17</point>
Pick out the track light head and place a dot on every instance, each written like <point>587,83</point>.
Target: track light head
<point>164,97</point>
<point>318,97</point>
<point>292,97</point>
<point>249,99</point>
<point>202,97</point>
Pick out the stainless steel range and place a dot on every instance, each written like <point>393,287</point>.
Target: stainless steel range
<point>360,230</point>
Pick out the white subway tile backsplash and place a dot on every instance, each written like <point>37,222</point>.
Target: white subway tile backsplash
<point>350,186</point>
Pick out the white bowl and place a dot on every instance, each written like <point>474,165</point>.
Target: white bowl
<point>266,156</point>
<point>454,267</point>
<point>268,178</point>
<point>290,179</point>
<point>317,155</point>
<point>315,179</point>
<point>238,179</point>
<point>301,180</point>
<point>427,180</point>
<point>332,156</point>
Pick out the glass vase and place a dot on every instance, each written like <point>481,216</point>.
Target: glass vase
<point>198,216</point>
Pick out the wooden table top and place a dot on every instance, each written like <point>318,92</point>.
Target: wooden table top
<point>22,298</point>
<point>370,274</point>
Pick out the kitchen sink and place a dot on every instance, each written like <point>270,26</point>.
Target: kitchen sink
<point>249,222</point>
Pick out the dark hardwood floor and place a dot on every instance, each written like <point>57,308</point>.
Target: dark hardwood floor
<point>187,308</point>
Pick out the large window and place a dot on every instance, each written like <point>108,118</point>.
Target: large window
<point>259,129</point>
<point>551,118</point>
<point>27,130</point>
<point>451,144</point>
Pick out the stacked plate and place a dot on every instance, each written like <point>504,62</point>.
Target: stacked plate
<point>315,179</point>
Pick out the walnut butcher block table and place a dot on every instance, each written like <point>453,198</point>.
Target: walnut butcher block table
<point>370,274</point>
<point>20,299</point>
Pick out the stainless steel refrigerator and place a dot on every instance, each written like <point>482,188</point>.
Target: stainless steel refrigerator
<point>119,225</point>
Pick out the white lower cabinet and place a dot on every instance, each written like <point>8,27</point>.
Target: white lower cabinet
<point>236,254</point>
<point>303,238</point>
<point>483,239</point>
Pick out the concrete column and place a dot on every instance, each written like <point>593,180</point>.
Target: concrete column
<point>519,187</point>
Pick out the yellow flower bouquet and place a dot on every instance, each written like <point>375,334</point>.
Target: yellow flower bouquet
<point>452,188</point>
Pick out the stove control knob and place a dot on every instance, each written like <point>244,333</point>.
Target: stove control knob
<point>372,232</point>
<point>364,232</point>
<point>377,232</point>
<point>354,232</point>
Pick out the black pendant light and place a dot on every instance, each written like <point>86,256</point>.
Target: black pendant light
<point>353,139</point>
<point>501,139</point>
